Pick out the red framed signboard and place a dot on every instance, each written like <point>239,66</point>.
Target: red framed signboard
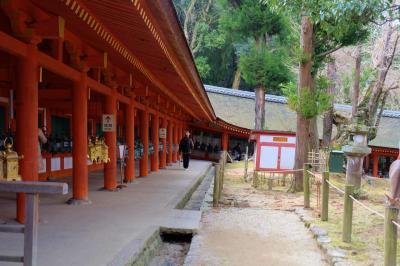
<point>275,151</point>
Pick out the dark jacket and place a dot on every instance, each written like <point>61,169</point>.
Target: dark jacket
<point>186,145</point>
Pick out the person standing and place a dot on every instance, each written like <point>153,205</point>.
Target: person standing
<point>42,140</point>
<point>238,152</point>
<point>185,148</point>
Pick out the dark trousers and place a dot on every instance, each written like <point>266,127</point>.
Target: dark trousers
<point>186,158</point>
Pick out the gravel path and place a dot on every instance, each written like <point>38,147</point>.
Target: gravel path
<point>250,236</point>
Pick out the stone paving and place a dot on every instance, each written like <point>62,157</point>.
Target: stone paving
<point>115,226</point>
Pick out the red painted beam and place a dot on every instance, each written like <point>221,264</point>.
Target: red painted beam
<point>11,45</point>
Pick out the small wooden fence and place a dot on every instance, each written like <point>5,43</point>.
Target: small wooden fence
<point>219,178</point>
<point>390,217</point>
<point>30,229</point>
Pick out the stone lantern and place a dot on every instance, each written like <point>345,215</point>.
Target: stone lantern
<point>355,152</point>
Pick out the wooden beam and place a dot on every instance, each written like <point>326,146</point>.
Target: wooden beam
<point>52,28</point>
<point>11,45</point>
<point>99,60</point>
<point>55,94</point>
<point>58,67</point>
<point>34,187</point>
<point>98,87</point>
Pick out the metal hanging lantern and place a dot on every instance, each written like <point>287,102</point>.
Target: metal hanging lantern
<point>9,163</point>
<point>98,151</point>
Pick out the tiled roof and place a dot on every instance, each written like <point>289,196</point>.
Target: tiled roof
<point>237,107</point>
<point>281,99</point>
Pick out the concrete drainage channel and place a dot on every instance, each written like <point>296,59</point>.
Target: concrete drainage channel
<point>167,246</point>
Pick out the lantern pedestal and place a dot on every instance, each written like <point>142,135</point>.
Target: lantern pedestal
<point>355,152</point>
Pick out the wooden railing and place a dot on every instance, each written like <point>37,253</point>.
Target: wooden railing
<point>30,229</point>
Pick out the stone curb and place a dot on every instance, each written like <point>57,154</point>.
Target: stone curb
<point>335,256</point>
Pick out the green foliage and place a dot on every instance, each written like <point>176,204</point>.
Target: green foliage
<point>203,66</point>
<point>250,18</point>
<point>263,67</point>
<point>368,75</point>
<point>336,23</point>
<point>308,103</point>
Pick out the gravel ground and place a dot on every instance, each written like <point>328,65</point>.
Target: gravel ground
<point>170,254</point>
<point>251,236</point>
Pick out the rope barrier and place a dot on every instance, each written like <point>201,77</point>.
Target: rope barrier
<point>335,187</point>
<point>396,224</point>
<point>282,171</point>
<point>367,208</point>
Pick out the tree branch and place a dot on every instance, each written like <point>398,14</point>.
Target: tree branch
<point>329,51</point>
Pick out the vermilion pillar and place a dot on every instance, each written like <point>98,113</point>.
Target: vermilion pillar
<point>169,135</point>
<point>110,168</point>
<point>154,136</point>
<point>375,161</point>
<point>27,122</point>
<point>163,159</point>
<point>225,140</point>
<point>80,191</point>
<point>144,134</point>
<point>175,136</point>
<point>130,142</point>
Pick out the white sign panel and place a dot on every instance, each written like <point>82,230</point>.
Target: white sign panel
<point>108,123</point>
<point>269,157</point>
<point>162,132</point>
<point>287,157</point>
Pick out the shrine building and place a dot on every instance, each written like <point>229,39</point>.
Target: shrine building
<point>279,117</point>
<point>86,70</point>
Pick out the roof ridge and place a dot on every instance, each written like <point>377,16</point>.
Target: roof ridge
<point>281,99</point>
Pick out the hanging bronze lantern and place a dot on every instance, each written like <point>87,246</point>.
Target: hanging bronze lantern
<point>9,163</point>
<point>98,151</point>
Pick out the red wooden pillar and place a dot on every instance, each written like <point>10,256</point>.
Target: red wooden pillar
<point>225,141</point>
<point>375,161</point>
<point>175,137</point>
<point>27,122</point>
<point>169,135</point>
<point>110,168</point>
<point>155,138</point>
<point>80,189</point>
<point>130,142</point>
<point>144,133</point>
<point>163,159</point>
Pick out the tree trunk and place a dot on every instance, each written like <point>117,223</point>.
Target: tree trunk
<point>328,116</point>
<point>259,108</point>
<point>356,88</point>
<point>303,130</point>
<point>236,79</point>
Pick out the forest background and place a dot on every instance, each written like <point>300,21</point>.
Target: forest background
<point>219,33</point>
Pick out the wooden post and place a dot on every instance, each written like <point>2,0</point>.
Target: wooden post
<point>390,240</point>
<point>216,185</point>
<point>130,142</point>
<point>110,168</point>
<point>31,229</point>
<point>347,214</point>
<point>270,181</point>
<point>246,163</point>
<point>325,196</point>
<point>80,180</point>
<point>27,121</point>
<point>144,134</point>
<point>306,185</point>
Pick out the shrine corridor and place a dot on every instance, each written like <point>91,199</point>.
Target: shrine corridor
<point>115,226</point>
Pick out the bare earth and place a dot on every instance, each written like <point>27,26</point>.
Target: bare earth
<point>253,230</point>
